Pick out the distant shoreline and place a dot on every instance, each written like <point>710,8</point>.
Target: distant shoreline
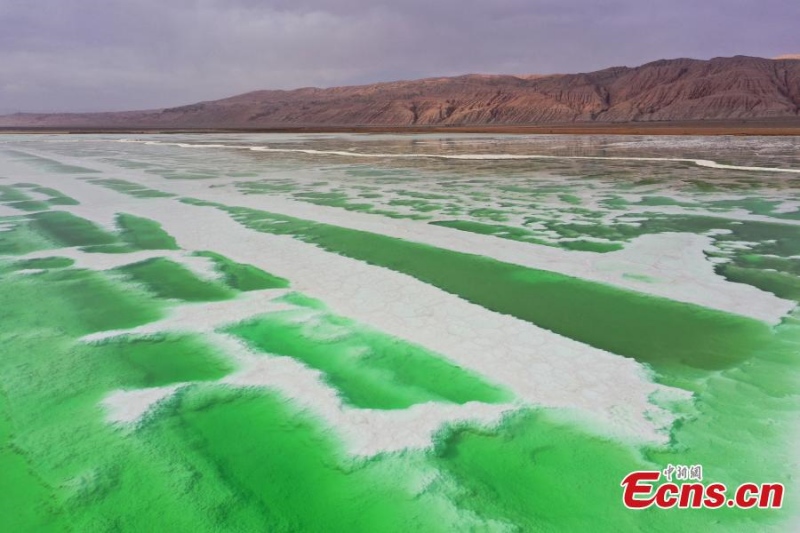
<point>702,128</point>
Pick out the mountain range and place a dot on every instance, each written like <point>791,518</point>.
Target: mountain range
<point>725,88</point>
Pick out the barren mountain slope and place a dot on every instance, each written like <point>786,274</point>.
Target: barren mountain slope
<point>667,90</point>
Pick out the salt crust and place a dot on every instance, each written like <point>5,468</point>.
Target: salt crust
<point>470,157</point>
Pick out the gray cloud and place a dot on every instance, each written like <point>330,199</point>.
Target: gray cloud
<point>85,55</point>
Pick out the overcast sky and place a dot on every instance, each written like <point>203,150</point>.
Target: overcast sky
<point>83,55</point>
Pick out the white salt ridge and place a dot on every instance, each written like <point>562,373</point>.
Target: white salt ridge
<point>130,406</point>
<point>787,207</point>
<point>6,211</point>
<point>29,271</point>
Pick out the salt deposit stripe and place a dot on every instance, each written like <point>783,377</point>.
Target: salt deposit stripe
<point>474,157</point>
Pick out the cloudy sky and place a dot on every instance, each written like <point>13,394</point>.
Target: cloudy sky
<point>83,55</point>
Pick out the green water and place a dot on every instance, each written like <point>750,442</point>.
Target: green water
<point>116,248</point>
<point>155,361</point>
<point>369,369</point>
<point>29,205</point>
<point>581,245</point>
<point>130,188</point>
<point>780,284</point>
<point>23,238</point>
<point>171,280</point>
<point>67,229</point>
<point>54,197</point>
<point>14,198</point>
<point>280,470</point>
<point>244,277</point>
<point>88,302</point>
<point>11,194</point>
<point>144,234</point>
<point>26,504</point>
<point>301,300</point>
<point>570,199</point>
<point>43,263</point>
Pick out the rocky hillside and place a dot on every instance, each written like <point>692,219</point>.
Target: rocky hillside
<point>667,90</point>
